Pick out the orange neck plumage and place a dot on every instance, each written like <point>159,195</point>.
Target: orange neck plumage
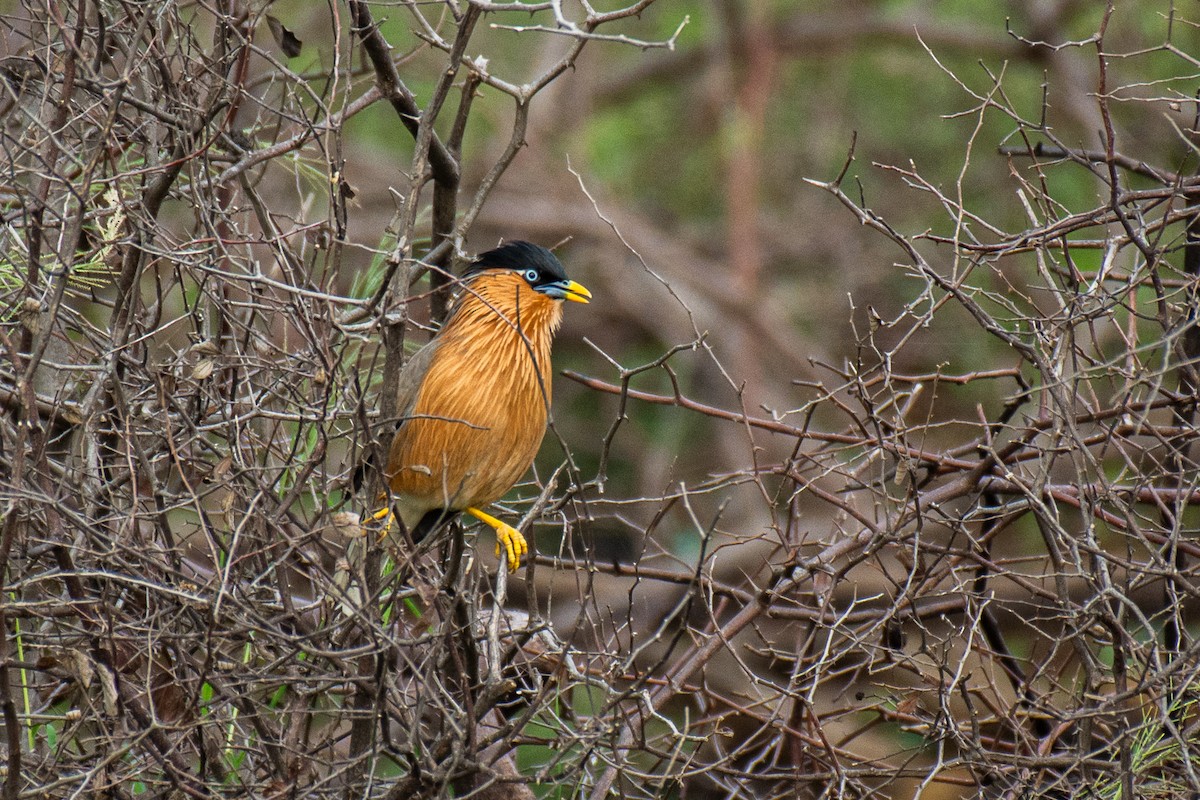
<point>496,305</point>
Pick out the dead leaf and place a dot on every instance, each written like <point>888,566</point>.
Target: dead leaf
<point>221,469</point>
<point>108,690</point>
<point>31,314</point>
<point>287,41</point>
<point>82,665</point>
<point>203,369</point>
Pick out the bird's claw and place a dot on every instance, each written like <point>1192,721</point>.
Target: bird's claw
<point>510,541</point>
<point>384,518</point>
<point>507,537</point>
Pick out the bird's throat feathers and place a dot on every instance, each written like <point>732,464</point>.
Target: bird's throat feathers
<point>504,301</point>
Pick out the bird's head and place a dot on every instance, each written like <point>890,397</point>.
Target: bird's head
<point>536,265</point>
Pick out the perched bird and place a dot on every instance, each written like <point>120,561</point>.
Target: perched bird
<point>473,402</point>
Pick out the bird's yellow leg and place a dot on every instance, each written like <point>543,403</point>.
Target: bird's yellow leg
<point>507,536</point>
<point>384,517</point>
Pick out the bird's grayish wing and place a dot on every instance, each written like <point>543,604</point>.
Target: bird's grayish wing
<point>411,376</point>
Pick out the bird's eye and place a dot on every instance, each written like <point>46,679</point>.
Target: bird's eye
<point>531,275</point>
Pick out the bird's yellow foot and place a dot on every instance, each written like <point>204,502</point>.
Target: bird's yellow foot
<point>508,538</point>
<point>513,543</point>
<point>383,518</point>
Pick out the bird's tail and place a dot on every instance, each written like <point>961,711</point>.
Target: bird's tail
<point>429,523</point>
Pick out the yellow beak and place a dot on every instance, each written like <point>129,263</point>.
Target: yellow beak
<point>576,292</point>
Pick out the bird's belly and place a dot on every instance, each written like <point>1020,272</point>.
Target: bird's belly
<point>471,449</point>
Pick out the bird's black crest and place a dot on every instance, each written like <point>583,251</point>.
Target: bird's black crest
<point>520,256</point>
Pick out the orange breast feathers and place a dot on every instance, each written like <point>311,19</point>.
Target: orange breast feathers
<point>480,413</point>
